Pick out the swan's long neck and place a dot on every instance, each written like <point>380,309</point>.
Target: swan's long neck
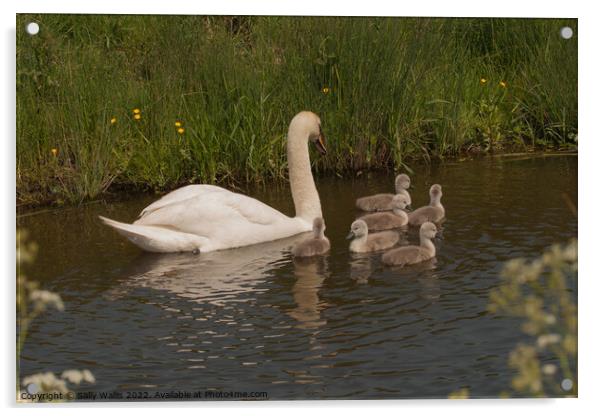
<point>359,242</point>
<point>435,200</point>
<point>319,233</point>
<point>401,188</point>
<point>362,239</point>
<point>428,244</point>
<point>303,188</point>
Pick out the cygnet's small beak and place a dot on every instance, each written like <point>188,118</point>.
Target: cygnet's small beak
<point>439,235</point>
<point>350,236</point>
<point>321,143</point>
<point>409,208</point>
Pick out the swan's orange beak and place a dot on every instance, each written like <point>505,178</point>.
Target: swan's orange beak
<point>321,143</point>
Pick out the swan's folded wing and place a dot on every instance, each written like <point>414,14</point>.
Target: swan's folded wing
<point>213,212</point>
<point>424,254</point>
<point>378,202</point>
<point>411,254</point>
<point>403,256</point>
<point>420,215</point>
<point>180,195</point>
<point>252,209</point>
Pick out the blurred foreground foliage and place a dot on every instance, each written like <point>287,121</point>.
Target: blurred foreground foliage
<point>33,302</point>
<point>543,294</point>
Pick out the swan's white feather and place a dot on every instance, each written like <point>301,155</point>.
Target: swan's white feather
<point>180,195</point>
<point>213,208</point>
<point>207,219</point>
<point>158,239</point>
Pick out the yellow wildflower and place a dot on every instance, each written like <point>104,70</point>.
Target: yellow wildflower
<point>137,116</point>
<point>178,124</point>
<point>136,111</point>
<point>325,90</point>
<point>502,84</point>
<point>460,394</point>
<point>483,81</point>
<point>181,130</point>
<point>113,120</point>
<point>54,151</point>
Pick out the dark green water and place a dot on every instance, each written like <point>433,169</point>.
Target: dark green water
<point>254,320</point>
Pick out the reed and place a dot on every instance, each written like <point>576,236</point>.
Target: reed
<point>387,90</point>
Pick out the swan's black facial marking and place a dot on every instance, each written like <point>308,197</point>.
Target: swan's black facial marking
<point>321,141</point>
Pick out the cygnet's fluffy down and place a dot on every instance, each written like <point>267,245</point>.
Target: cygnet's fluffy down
<point>388,220</point>
<point>384,202</point>
<point>316,245</point>
<point>407,255</point>
<point>433,212</point>
<point>362,242</point>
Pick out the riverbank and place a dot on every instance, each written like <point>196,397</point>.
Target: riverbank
<point>150,103</point>
<point>118,193</point>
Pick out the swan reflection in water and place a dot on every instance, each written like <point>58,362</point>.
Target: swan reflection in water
<point>426,275</point>
<point>310,273</point>
<point>363,265</point>
<point>360,267</point>
<point>221,277</point>
<point>216,278</point>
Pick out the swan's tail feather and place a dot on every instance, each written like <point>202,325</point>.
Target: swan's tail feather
<point>158,239</point>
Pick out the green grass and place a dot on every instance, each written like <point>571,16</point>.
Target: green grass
<point>397,89</point>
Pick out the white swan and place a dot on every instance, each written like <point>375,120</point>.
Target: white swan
<point>204,218</point>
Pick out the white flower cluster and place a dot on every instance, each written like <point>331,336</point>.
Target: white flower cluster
<point>77,376</point>
<point>46,382</point>
<point>49,383</point>
<point>44,299</point>
<point>545,340</point>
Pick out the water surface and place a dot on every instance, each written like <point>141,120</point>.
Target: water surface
<point>340,326</point>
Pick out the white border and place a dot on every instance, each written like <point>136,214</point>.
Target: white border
<point>590,134</point>
<point>509,8</point>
